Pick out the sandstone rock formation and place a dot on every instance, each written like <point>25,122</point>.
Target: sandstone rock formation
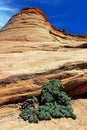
<point>25,65</point>
<point>30,24</point>
<point>31,53</point>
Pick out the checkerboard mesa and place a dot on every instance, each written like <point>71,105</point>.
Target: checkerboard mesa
<point>33,21</point>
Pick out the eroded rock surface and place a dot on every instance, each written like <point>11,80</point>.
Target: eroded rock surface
<point>31,53</point>
<point>25,65</point>
<point>30,24</point>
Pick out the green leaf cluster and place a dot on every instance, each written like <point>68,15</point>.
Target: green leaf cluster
<point>53,103</point>
<point>65,32</point>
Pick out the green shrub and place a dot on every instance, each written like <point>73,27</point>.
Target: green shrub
<point>65,32</point>
<point>53,103</point>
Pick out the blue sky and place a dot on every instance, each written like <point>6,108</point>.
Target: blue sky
<point>62,14</point>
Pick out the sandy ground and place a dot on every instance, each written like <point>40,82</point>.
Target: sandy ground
<point>10,120</point>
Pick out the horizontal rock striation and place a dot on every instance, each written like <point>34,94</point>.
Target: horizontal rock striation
<point>24,67</point>
<point>32,52</point>
<point>30,24</point>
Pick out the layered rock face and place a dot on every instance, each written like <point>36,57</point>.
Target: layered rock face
<point>25,66</point>
<point>30,24</point>
<point>31,53</point>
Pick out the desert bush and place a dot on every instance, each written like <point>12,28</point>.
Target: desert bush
<point>65,32</point>
<point>53,103</point>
